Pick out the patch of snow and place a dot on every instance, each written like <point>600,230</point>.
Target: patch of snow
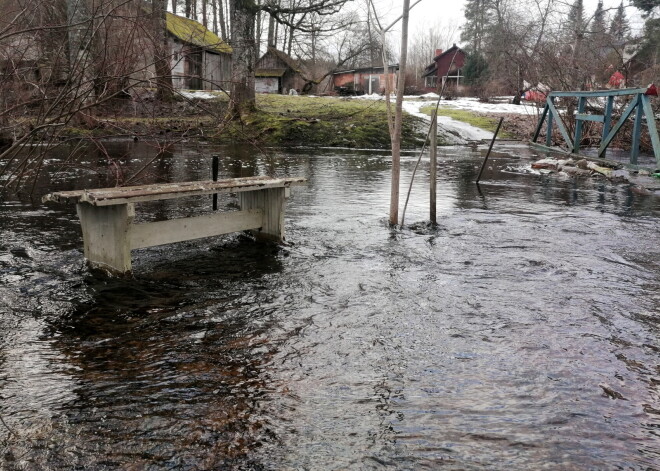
<point>414,107</point>
<point>200,94</point>
<point>463,130</point>
<point>502,104</point>
<point>473,104</point>
<point>373,96</point>
<point>457,132</point>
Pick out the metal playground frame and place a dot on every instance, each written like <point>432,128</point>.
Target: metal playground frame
<point>640,105</point>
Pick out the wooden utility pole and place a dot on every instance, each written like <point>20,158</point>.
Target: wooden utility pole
<point>434,168</point>
<point>398,117</point>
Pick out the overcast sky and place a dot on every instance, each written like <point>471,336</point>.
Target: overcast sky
<point>429,12</point>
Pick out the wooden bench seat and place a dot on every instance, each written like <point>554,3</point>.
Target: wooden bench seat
<point>107,214</point>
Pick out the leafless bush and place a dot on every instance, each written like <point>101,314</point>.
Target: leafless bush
<point>67,64</point>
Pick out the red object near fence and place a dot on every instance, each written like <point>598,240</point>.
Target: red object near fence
<point>617,80</point>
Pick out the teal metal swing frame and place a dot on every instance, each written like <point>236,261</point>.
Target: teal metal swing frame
<point>639,105</point>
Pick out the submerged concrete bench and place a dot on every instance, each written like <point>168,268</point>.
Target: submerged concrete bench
<point>106,216</point>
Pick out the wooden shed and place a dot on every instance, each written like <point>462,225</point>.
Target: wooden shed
<point>200,59</point>
<point>446,68</point>
<point>277,72</point>
<point>123,51</point>
<point>364,80</point>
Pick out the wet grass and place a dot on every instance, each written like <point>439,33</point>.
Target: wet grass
<point>280,120</point>
<point>474,119</point>
<point>321,122</point>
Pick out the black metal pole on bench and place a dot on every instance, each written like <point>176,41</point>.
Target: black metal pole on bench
<point>489,149</point>
<point>214,176</point>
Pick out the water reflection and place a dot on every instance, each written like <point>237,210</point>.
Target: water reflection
<point>519,331</point>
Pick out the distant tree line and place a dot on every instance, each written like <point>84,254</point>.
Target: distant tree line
<point>513,45</point>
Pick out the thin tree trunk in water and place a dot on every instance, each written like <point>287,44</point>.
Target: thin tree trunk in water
<point>174,5</point>
<point>398,117</point>
<point>188,10</point>
<point>243,14</point>
<point>161,52</point>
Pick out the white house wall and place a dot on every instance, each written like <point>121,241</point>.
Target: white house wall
<point>267,84</point>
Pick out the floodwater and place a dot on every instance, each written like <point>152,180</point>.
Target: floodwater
<point>520,333</point>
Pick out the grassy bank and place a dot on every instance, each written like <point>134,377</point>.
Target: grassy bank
<point>319,121</point>
<point>280,120</point>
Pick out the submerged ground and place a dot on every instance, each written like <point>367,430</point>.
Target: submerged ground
<point>521,333</point>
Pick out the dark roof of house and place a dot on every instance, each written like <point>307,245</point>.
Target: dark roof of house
<point>447,52</point>
<point>432,69</point>
<point>284,57</point>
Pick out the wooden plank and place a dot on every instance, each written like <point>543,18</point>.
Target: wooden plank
<point>434,169</point>
<point>143,193</point>
<point>597,118</point>
<point>611,163</point>
<point>178,230</point>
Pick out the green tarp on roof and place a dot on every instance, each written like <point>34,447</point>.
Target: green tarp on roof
<point>195,33</point>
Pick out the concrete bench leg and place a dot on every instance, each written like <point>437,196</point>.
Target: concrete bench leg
<point>106,235</point>
<point>271,201</point>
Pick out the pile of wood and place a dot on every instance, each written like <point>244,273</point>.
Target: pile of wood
<point>640,181</point>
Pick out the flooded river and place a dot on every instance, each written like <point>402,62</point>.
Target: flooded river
<point>521,333</point>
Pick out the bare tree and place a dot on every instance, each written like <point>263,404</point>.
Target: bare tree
<point>424,44</point>
<point>244,55</point>
<point>243,39</point>
<point>396,122</point>
<point>161,52</point>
